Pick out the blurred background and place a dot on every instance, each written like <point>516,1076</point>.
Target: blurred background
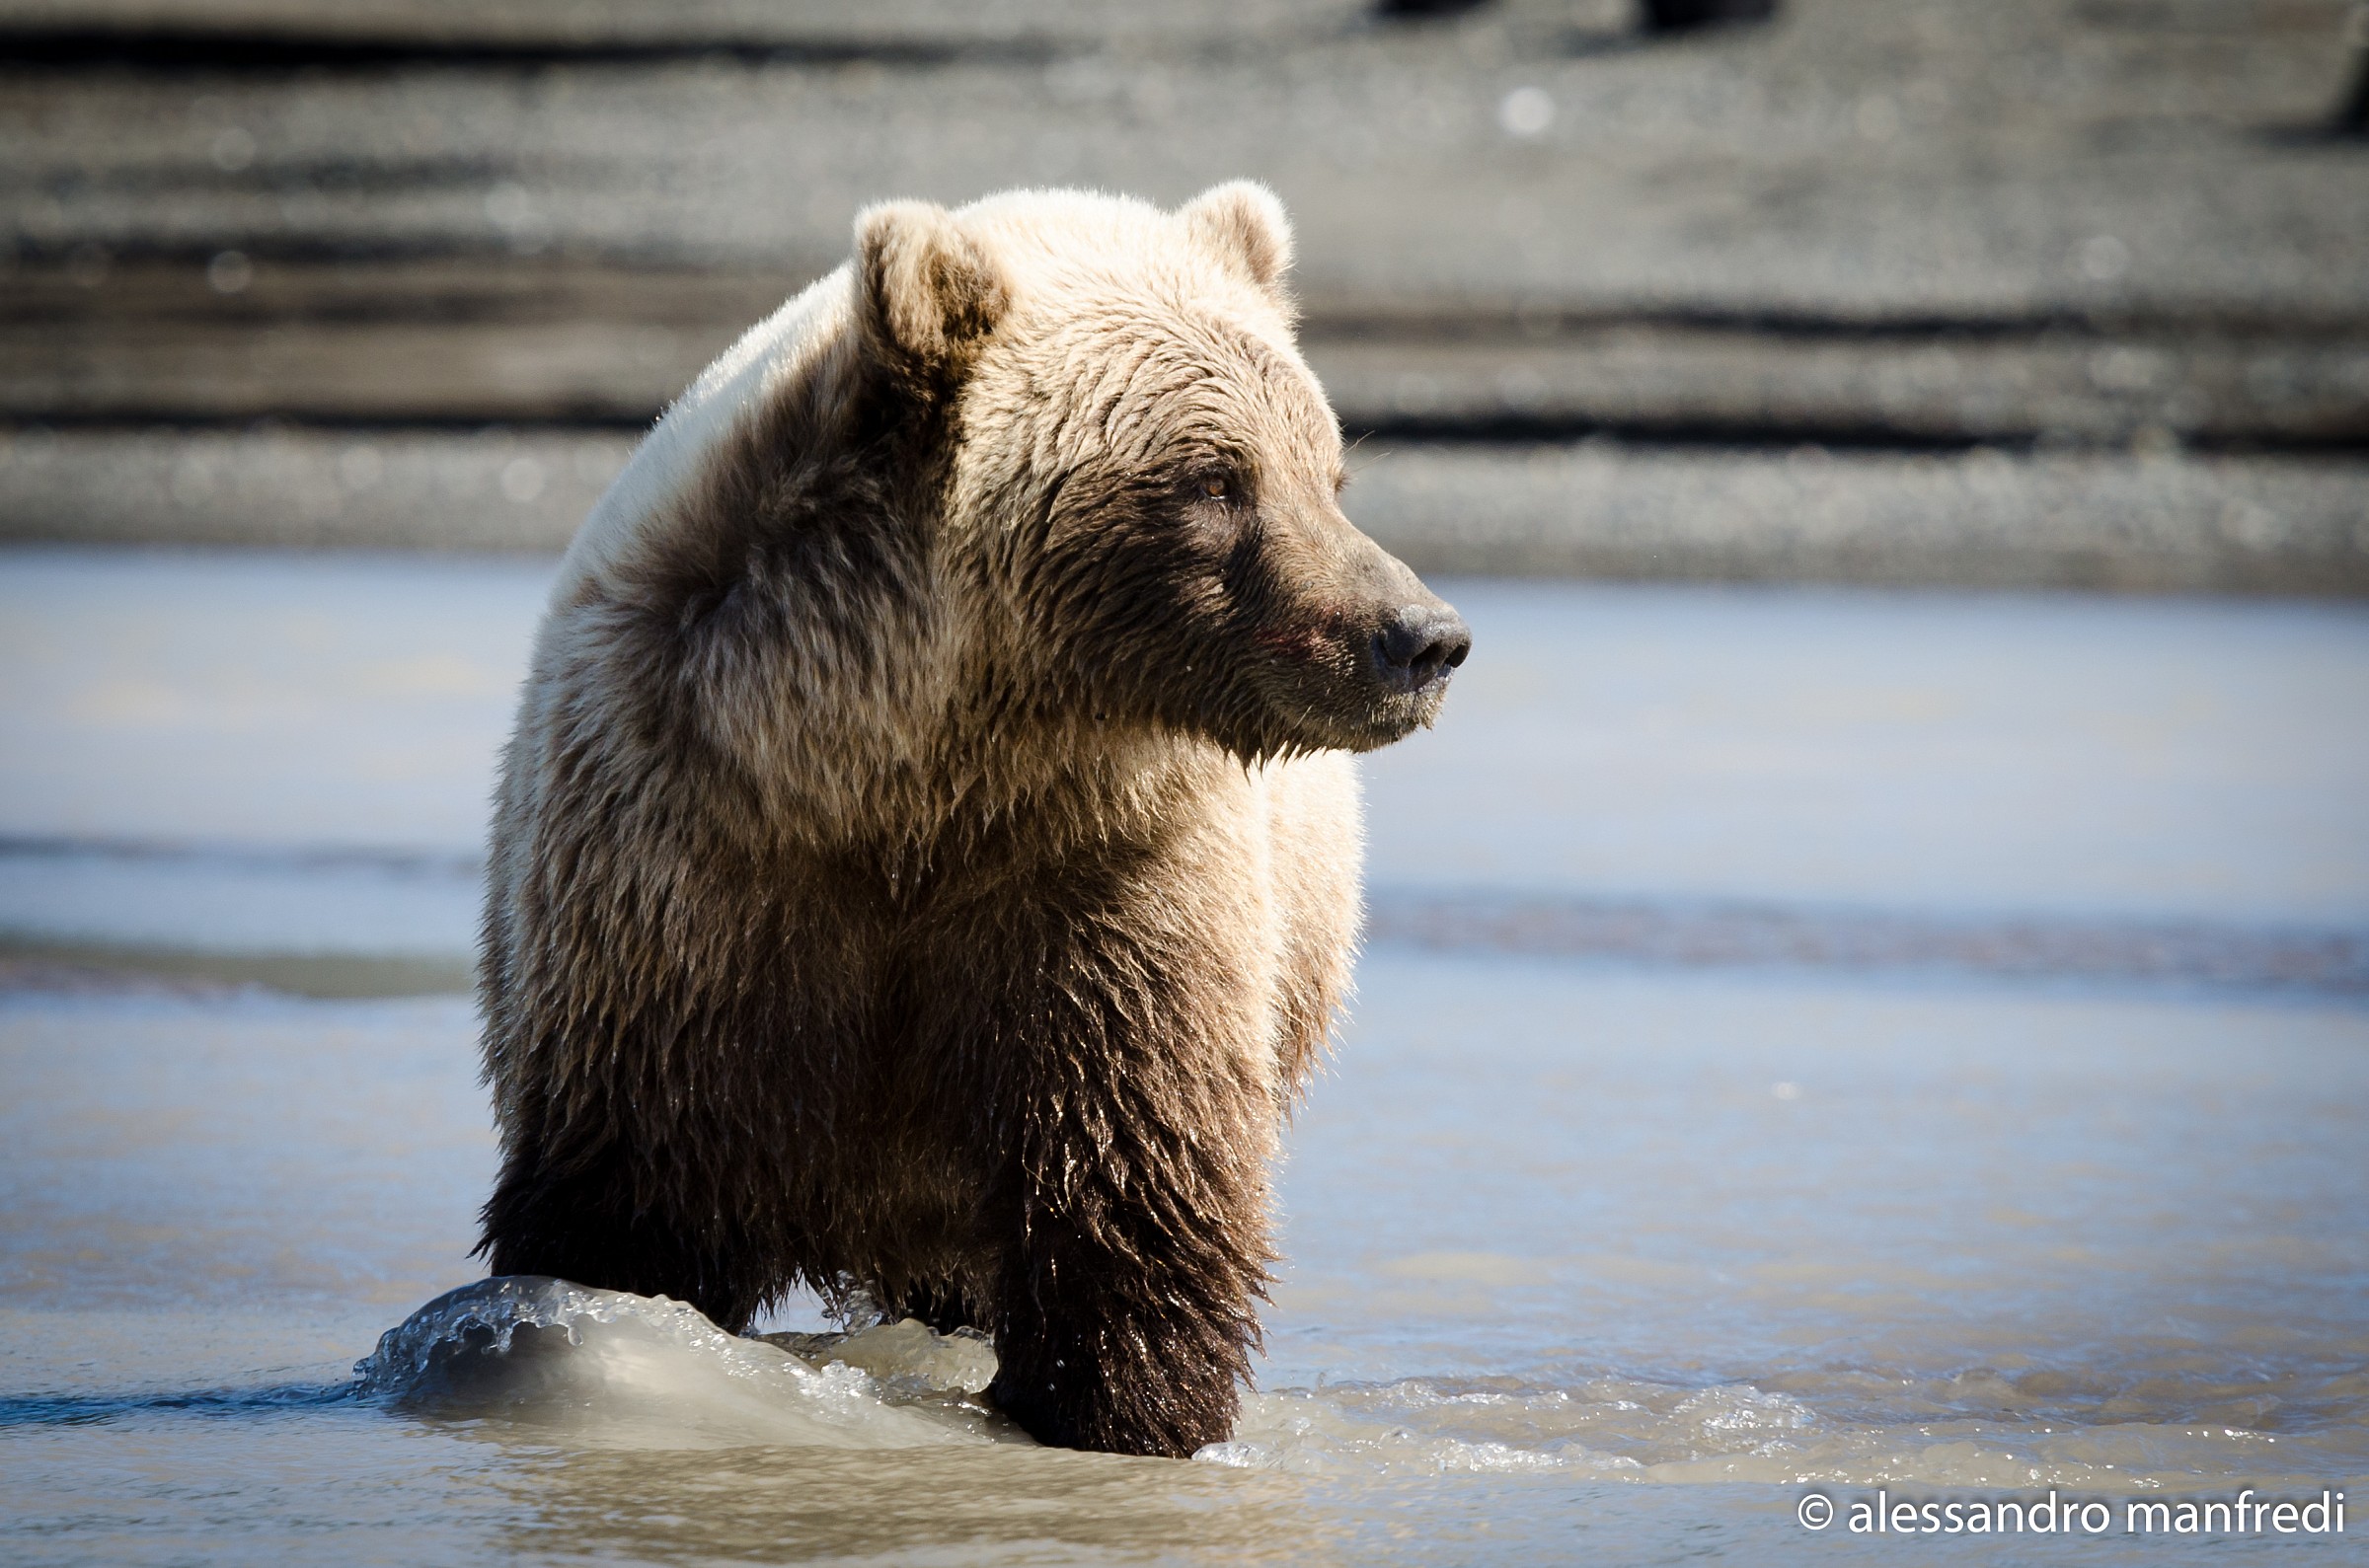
<point>1955,294</point>
<point>1868,983</point>
<point>2006,292</point>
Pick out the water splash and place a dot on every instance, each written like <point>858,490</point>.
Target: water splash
<point>604,1369</point>
<point>616,1370</point>
<point>594,1368</point>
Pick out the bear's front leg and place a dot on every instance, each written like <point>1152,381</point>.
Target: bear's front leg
<point>1120,1328</point>
<point>1135,1119</point>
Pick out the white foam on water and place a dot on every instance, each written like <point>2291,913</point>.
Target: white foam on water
<point>1298,1434</point>
<point>1611,1426</point>
<point>606,1370</point>
<point>1427,1427</point>
<point>911,1360</point>
<point>1624,1429</point>
<point>614,1370</point>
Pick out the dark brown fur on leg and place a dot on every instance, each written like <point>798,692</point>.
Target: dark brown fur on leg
<point>1101,1345</point>
<point>1088,1368</point>
<point>1133,1117</point>
<point>580,1224</point>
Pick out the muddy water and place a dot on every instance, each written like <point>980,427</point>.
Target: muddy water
<point>1593,1257</point>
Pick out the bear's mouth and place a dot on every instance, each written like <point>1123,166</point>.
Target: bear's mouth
<point>1361,686</point>
<point>1398,714</point>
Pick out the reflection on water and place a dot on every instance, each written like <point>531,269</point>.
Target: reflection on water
<point>1813,1040</point>
<point>949,1506</point>
<point>1566,1245</point>
<point>636,1427</point>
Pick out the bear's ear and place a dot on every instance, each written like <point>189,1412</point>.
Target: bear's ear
<point>927,293</point>
<point>1243,223</point>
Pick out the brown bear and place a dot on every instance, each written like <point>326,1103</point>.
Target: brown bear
<point>927,859</point>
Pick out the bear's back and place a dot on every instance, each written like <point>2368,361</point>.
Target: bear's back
<point>698,427</point>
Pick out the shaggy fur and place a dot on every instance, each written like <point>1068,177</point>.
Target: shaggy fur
<point>927,857</point>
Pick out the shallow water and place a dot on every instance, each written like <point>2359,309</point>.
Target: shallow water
<point>1591,1259</point>
<point>1566,1244</point>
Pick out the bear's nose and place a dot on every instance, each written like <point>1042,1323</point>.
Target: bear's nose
<point>1419,644</point>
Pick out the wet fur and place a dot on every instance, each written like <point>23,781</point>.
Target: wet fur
<point>927,856</point>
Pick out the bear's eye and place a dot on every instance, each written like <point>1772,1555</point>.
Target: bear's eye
<point>1219,496</point>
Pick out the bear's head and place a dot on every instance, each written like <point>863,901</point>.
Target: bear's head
<point>1143,477</point>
